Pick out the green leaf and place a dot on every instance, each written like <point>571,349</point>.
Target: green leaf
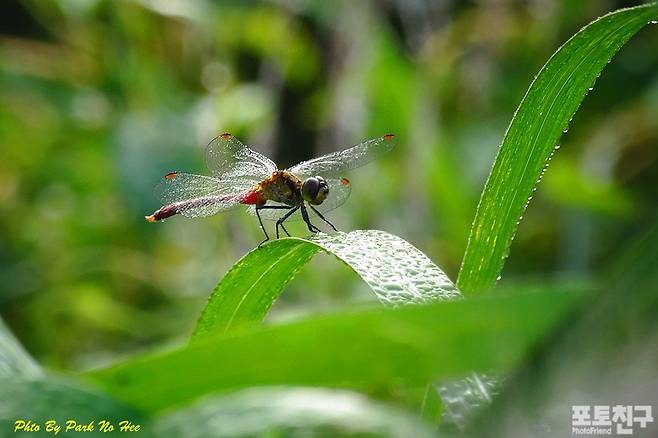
<point>373,351</point>
<point>543,115</point>
<point>284,411</point>
<point>397,272</point>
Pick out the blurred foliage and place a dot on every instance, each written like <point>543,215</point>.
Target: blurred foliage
<point>99,99</point>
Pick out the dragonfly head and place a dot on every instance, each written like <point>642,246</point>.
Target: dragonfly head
<point>315,190</point>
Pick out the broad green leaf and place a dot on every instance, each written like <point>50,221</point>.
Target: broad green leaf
<point>53,399</point>
<point>397,272</point>
<point>283,411</point>
<point>374,351</point>
<point>543,115</point>
<point>14,360</point>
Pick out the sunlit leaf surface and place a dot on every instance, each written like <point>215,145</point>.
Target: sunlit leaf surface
<point>397,272</point>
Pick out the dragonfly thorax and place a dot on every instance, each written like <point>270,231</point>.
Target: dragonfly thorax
<point>282,187</point>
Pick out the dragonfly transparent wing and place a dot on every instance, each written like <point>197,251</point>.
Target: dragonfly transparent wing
<point>227,157</point>
<point>332,165</point>
<point>339,191</point>
<point>197,195</point>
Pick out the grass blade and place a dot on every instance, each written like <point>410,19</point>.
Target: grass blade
<point>543,115</point>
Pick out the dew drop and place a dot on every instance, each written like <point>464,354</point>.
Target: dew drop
<point>499,277</point>
<point>557,146</point>
<point>653,22</point>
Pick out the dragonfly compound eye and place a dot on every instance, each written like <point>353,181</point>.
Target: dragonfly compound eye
<point>315,190</point>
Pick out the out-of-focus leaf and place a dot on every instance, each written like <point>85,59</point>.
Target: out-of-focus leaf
<point>545,112</point>
<point>397,272</point>
<point>14,360</point>
<point>291,412</point>
<point>371,351</point>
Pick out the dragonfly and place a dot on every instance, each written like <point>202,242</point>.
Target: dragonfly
<point>241,176</point>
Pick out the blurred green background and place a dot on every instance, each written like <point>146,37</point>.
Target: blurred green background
<point>99,99</point>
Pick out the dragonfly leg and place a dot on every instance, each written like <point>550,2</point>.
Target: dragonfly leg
<point>312,228</point>
<point>262,227</point>
<point>279,222</point>
<point>284,229</point>
<point>274,207</point>
<point>323,218</point>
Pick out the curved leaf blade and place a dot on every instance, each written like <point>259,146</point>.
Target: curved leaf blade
<point>395,270</point>
<point>543,115</point>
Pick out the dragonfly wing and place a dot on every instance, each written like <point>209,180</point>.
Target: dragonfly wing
<point>227,157</point>
<point>179,186</point>
<point>332,165</point>
<point>339,191</point>
<point>197,195</point>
